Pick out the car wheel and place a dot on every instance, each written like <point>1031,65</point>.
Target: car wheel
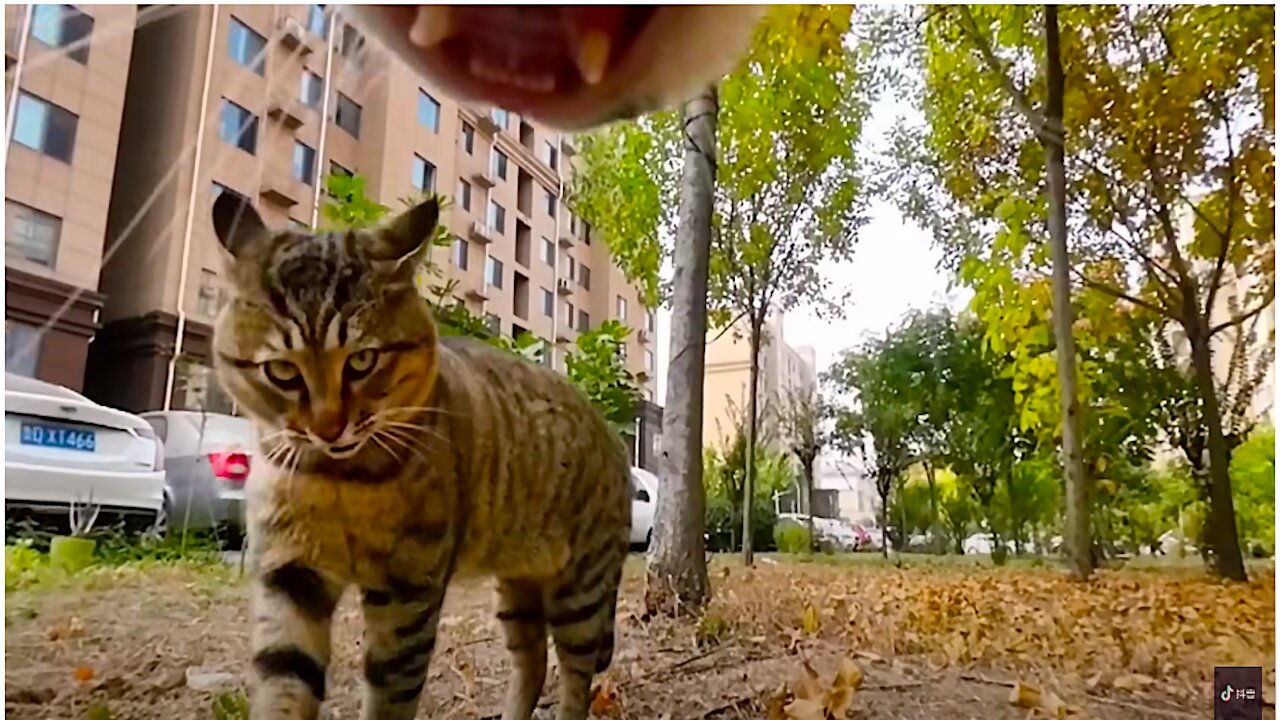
<point>160,527</point>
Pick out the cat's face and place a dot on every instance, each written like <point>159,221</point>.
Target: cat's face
<point>326,342</point>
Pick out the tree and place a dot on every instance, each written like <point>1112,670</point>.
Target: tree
<point>598,369</point>
<point>1169,157</point>
<point>677,571</point>
<point>787,184</point>
<point>800,421</point>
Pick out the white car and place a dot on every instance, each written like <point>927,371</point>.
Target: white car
<point>644,499</point>
<point>62,448</point>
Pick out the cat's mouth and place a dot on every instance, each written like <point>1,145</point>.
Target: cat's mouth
<point>533,59</point>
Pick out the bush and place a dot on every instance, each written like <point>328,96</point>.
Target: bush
<point>791,538</point>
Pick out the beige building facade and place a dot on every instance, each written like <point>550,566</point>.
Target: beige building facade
<point>64,96</point>
<point>784,372</point>
<point>266,101</point>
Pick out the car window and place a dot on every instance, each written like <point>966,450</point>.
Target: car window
<point>220,431</point>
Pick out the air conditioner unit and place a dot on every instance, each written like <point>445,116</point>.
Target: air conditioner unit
<point>563,286</point>
<point>481,233</point>
<point>293,36</point>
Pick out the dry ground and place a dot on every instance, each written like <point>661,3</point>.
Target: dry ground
<point>933,642</point>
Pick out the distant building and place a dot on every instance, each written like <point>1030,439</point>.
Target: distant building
<point>856,497</point>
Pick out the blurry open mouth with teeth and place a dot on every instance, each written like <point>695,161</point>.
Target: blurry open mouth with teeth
<point>518,57</point>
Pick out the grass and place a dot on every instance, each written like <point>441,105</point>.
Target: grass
<point>27,565</point>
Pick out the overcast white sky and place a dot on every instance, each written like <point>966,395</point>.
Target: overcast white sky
<point>893,271</point>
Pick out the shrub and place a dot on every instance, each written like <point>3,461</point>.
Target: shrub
<point>791,538</point>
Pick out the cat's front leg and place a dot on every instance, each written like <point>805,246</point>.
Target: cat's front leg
<point>292,609</point>
<point>399,637</point>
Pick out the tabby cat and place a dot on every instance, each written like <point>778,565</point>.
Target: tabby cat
<point>396,461</point>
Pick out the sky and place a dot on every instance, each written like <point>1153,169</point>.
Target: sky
<point>894,270</point>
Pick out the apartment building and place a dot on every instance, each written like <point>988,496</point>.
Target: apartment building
<point>266,101</point>
<point>64,96</point>
<point>784,372</point>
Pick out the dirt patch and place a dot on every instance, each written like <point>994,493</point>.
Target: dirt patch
<point>128,641</point>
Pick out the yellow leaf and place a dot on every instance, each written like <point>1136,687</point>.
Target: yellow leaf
<point>809,624</point>
<point>849,675</point>
<point>1055,706</point>
<point>805,710</point>
<point>1024,695</point>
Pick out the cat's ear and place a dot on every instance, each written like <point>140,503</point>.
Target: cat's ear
<point>236,222</point>
<point>407,232</point>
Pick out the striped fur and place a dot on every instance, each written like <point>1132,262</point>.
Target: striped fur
<point>470,462</point>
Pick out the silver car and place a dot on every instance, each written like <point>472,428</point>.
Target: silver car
<point>207,460</point>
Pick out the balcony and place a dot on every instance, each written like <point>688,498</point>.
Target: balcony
<point>282,189</point>
<point>289,112</point>
<point>564,287</point>
<point>293,36</point>
<point>477,294</point>
<point>483,179</point>
<point>482,233</point>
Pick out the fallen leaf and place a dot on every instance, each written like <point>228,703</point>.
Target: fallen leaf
<point>1024,695</point>
<point>1054,706</point>
<point>809,623</point>
<point>849,675</point>
<point>805,710</point>
<point>1133,681</point>
<point>84,673</point>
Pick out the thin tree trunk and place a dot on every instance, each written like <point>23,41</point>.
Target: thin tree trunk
<point>753,397</point>
<point>931,475</point>
<point>808,502</point>
<point>676,579</point>
<point>1225,543</point>
<point>1053,137</point>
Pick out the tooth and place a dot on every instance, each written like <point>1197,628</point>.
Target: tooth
<point>593,56</point>
<point>432,25</point>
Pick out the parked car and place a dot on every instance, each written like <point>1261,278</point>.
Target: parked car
<point>208,457</point>
<point>644,498</point>
<point>870,538</point>
<point>61,448</point>
<point>983,544</point>
<point>832,532</point>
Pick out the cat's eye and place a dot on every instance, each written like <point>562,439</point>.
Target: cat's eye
<point>283,373</point>
<point>361,363</point>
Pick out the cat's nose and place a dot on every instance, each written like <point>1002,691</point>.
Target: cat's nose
<point>329,427</point>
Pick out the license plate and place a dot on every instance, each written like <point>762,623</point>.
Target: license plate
<point>58,437</point>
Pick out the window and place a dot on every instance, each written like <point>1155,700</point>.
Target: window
<point>501,118</point>
<point>247,47</point>
<point>548,252</point>
<point>460,253</point>
<point>45,127</point>
<point>468,139</point>
<point>584,231</point>
<point>584,277</point>
<point>62,26</point>
<point>347,116</point>
<point>238,127</point>
<point>497,217</point>
<point>493,272</point>
<point>551,203</point>
<point>464,194</point>
<point>336,169</point>
<point>652,322</point>
<point>649,360</point>
<point>498,164</point>
<point>428,111</point>
<point>424,175</point>
<point>622,308</point>
<point>304,163</point>
<point>548,302</point>
<point>209,299</point>
<point>312,91</point>
<point>584,321</point>
<point>552,155</point>
<point>217,189</point>
<point>570,266</point>
<point>317,22</point>
<point>568,313</point>
<point>32,235</point>
<point>352,45</point>
<point>21,348</point>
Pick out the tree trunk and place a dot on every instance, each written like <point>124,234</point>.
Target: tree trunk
<point>753,397</point>
<point>676,579</point>
<point>1221,525</point>
<point>1053,137</point>
<point>884,518</point>
<point>808,500</point>
<point>931,475</point>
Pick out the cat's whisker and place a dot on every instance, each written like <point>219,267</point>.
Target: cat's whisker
<point>382,444</point>
<point>404,443</point>
<point>410,429</point>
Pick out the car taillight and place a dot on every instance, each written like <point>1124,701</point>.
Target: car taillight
<point>231,466</point>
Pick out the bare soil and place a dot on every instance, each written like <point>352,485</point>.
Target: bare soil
<point>121,644</point>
